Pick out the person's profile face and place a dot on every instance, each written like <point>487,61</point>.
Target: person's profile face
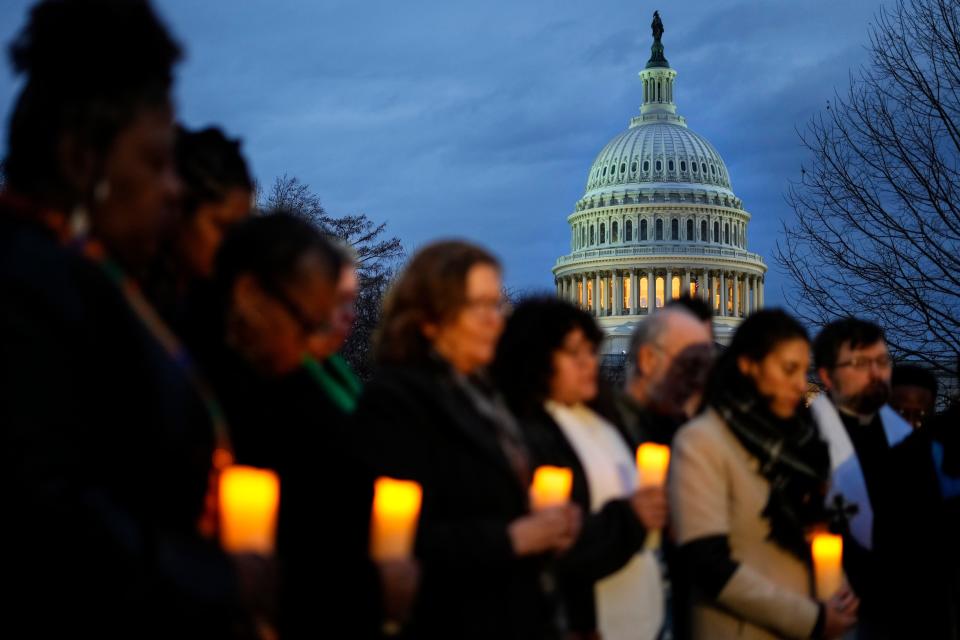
<point>136,197</point>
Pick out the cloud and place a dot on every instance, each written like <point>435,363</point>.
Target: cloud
<point>481,120</point>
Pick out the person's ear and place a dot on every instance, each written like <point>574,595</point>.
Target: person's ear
<point>430,330</point>
<point>247,297</point>
<point>647,359</point>
<point>748,367</point>
<point>824,374</point>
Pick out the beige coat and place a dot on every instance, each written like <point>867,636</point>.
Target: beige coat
<point>716,489</point>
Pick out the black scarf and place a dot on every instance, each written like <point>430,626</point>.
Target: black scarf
<point>793,459</point>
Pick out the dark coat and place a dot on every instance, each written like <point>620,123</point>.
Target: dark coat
<point>911,543</point>
<point>328,587</point>
<point>609,538</point>
<point>106,455</point>
<point>421,425</point>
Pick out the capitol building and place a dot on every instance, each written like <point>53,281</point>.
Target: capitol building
<point>659,219</point>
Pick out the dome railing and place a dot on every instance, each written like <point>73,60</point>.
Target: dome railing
<point>662,250</point>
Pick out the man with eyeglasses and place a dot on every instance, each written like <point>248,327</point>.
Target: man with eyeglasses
<point>890,552</point>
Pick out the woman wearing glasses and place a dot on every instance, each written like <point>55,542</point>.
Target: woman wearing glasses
<point>274,284</point>
<point>547,366</point>
<point>430,415</point>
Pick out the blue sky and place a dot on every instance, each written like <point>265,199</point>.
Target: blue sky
<point>481,120</point>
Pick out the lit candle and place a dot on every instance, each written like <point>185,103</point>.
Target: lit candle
<point>551,487</point>
<point>249,498</point>
<point>827,564</point>
<point>396,508</point>
<point>652,463</point>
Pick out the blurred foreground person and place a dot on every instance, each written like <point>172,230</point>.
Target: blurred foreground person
<point>547,367</point>
<point>430,415</point>
<point>328,368</point>
<point>107,440</point>
<point>747,481</point>
<point>217,194</point>
<point>274,290</point>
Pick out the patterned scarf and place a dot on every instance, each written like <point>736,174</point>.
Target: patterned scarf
<point>793,459</point>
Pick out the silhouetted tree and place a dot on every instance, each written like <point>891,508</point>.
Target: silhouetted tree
<point>377,257</point>
<point>876,231</point>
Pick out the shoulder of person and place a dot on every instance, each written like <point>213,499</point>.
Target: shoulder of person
<point>704,428</point>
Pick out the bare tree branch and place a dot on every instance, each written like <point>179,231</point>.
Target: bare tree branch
<point>876,230</point>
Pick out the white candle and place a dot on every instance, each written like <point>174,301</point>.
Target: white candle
<point>396,509</point>
<point>551,487</point>
<point>827,564</point>
<point>249,499</point>
<point>653,460</point>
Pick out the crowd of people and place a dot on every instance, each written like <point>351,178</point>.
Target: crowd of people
<point>156,328</point>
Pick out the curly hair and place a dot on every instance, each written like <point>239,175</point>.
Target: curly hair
<point>90,67</point>
<point>431,289</point>
<point>523,366</point>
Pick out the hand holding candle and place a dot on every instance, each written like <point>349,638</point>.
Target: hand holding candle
<point>551,487</point>
<point>396,509</point>
<point>653,460</point>
<point>827,564</point>
<point>249,499</point>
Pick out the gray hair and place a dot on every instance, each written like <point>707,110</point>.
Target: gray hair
<point>649,332</point>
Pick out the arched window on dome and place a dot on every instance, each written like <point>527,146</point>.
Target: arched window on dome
<point>659,229</point>
<point>628,231</point>
<point>675,229</point>
<point>659,165</point>
<point>713,170</point>
<point>643,230</point>
<point>603,233</point>
<point>623,167</point>
<point>704,237</point>
<point>613,169</point>
<point>670,165</point>
<point>613,231</point>
<point>693,165</point>
<point>646,166</point>
<point>689,237</point>
<point>726,233</point>
<point>703,167</point>
<point>591,235</point>
<point>716,232</point>
<point>604,171</point>
<point>683,165</point>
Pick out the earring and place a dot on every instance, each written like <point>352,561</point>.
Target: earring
<point>101,191</point>
<point>79,221</point>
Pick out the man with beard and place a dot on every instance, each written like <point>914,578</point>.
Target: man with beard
<point>667,365</point>
<point>878,464</point>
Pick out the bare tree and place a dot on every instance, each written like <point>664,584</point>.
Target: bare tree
<point>377,257</point>
<point>876,231</point>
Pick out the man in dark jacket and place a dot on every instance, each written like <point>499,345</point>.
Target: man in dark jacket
<point>893,553</point>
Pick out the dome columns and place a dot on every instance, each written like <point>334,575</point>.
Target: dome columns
<point>637,291</point>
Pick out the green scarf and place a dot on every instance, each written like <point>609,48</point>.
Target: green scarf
<point>341,385</point>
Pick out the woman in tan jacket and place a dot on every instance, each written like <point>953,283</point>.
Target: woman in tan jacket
<point>748,479</point>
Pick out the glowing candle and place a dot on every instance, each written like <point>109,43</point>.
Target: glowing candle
<point>249,498</point>
<point>396,508</point>
<point>652,463</point>
<point>827,564</point>
<point>551,487</point>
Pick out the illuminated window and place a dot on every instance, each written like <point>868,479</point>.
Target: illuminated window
<point>644,285</point>
<point>659,293</point>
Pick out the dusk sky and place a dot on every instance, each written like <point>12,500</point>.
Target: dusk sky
<point>481,120</point>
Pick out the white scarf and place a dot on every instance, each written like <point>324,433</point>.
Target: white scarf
<point>629,602</point>
<point>846,477</point>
